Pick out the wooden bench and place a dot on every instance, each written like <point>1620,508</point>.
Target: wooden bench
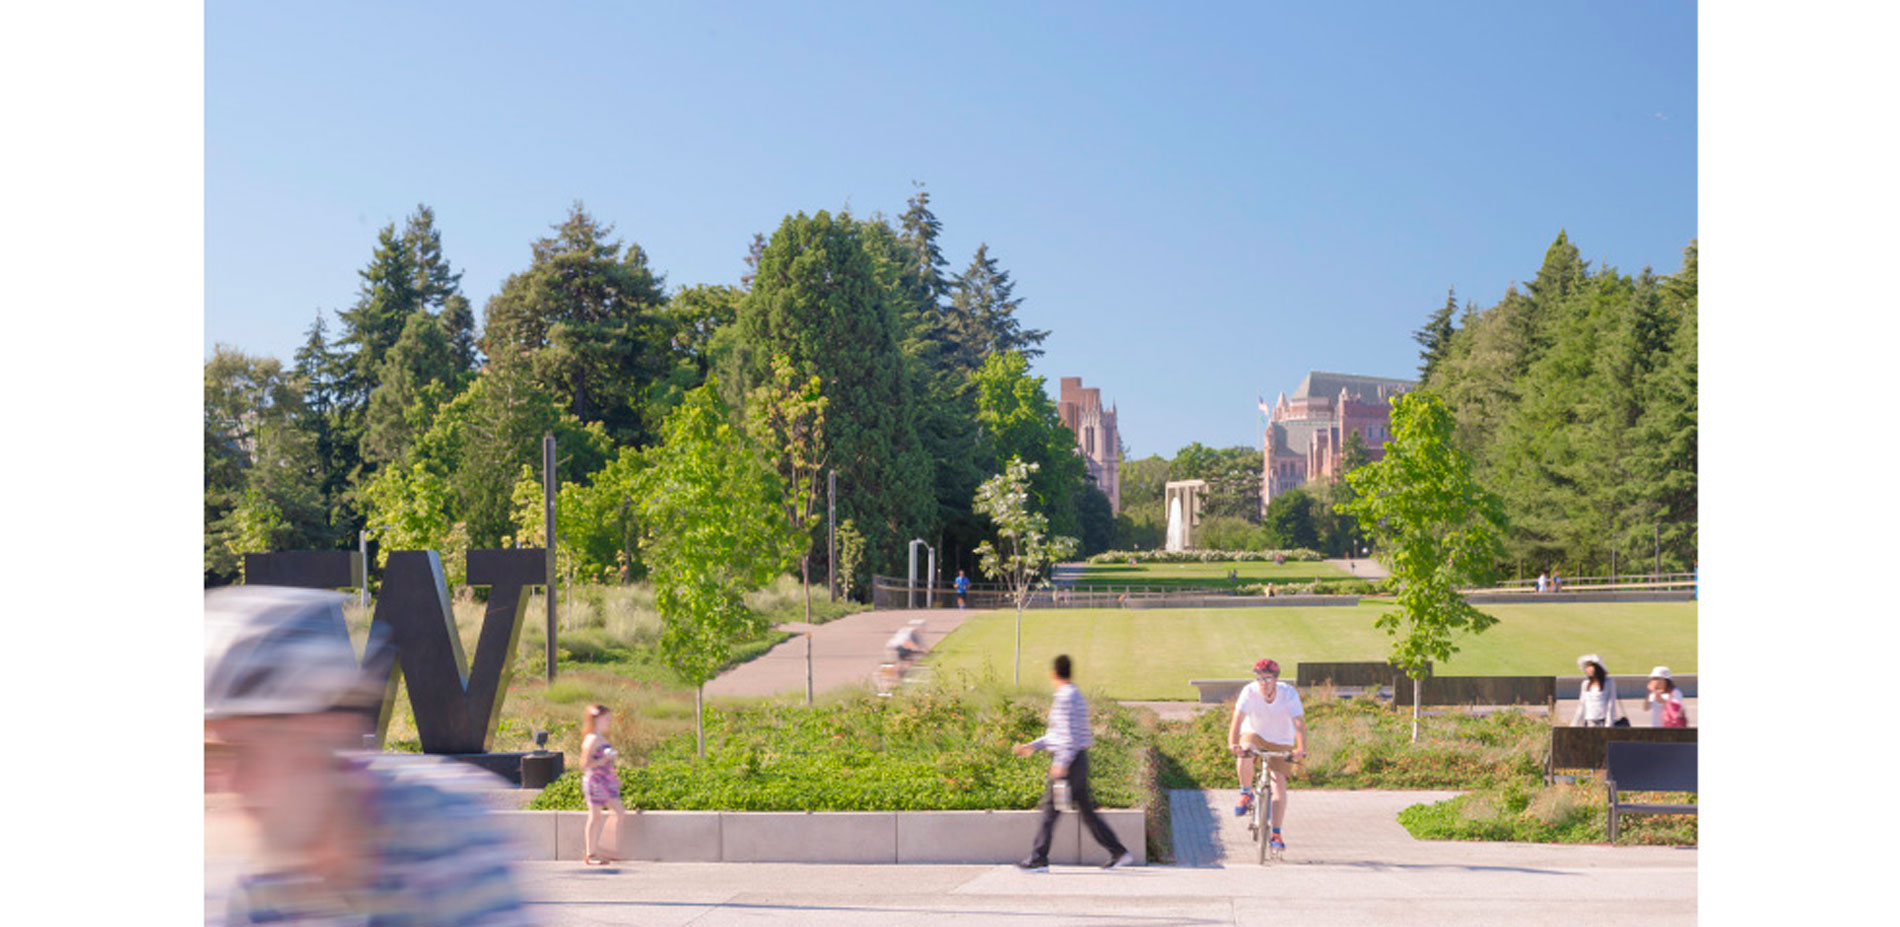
<point>1649,767</point>
<point>1583,747</point>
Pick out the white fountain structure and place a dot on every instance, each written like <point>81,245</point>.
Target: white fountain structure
<point>1184,512</point>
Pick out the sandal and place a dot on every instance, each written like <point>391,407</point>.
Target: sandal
<point>593,860</point>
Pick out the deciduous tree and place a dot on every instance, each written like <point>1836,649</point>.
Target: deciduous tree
<point>1437,530</point>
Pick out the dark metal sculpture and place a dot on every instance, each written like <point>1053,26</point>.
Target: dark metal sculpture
<point>413,637</point>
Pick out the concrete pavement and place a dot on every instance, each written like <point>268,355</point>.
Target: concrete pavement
<point>1348,862</point>
<point>844,653</point>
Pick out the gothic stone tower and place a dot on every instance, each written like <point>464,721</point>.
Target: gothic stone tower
<point>1096,437</point>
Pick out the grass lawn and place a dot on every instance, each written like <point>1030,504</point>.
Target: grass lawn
<point>1207,574</point>
<point>1151,654</point>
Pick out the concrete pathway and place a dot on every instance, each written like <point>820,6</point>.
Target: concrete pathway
<point>1361,568</point>
<point>844,653</point>
<point>1348,862</point>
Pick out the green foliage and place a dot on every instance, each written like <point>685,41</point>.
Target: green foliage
<point>1362,744</point>
<point>1023,548</point>
<point>1436,528</point>
<point>482,438</point>
<point>1289,520</point>
<point>850,556</point>
<point>409,510</point>
<point>713,529</point>
<point>1018,421</point>
<point>1232,475</point>
<point>920,752</point>
<point>1578,404</point>
<point>585,321</point>
<point>822,301</point>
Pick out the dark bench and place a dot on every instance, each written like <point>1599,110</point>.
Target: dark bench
<point>1583,747</point>
<point>1649,767</point>
<point>1479,690</point>
<point>1219,690</point>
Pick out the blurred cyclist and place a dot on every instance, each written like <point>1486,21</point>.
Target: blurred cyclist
<point>1267,716</point>
<point>342,837</point>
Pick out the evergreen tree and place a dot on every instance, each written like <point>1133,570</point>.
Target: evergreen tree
<point>1435,337</point>
<point>384,303</point>
<point>334,433</point>
<point>584,318</point>
<point>819,301</point>
<point>1018,421</point>
<point>416,377</point>
<point>983,309</point>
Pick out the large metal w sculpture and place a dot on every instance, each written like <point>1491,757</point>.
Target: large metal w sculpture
<point>412,634</point>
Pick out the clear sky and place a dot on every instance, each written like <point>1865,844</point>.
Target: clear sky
<point>1201,201</point>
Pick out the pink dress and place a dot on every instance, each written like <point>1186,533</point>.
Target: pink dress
<point>600,784</point>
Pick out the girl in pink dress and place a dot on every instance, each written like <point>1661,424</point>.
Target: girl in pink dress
<point>599,784</point>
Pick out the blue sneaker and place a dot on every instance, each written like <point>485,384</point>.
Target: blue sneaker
<point>1246,802</point>
<point>1276,844</point>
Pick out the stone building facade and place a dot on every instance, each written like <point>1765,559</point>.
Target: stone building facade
<point>1305,435</point>
<point>1096,437</point>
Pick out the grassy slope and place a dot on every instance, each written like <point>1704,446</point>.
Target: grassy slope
<point>1152,654</point>
<point>1207,574</point>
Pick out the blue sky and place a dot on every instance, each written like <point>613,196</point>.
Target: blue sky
<point>1201,202</point>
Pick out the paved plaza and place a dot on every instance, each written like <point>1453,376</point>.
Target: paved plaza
<point>1348,862</point>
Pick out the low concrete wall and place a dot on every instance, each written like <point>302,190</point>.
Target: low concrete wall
<point>984,837</point>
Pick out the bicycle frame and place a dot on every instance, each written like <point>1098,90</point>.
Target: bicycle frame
<point>1262,822</point>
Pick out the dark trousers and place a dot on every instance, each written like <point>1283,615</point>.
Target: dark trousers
<point>1084,805</point>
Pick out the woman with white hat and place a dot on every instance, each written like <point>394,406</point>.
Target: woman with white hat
<point>1665,700</point>
<point>1596,698</point>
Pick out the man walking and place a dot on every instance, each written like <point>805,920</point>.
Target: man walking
<point>963,590</point>
<point>1067,740</point>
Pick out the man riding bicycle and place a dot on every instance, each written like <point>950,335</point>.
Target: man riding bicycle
<point>1267,717</point>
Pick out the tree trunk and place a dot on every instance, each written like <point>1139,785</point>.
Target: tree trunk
<point>1019,643</point>
<point>1418,692</point>
<point>699,717</point>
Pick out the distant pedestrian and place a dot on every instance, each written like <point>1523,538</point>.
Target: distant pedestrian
<point>1543,582</point>
<point>1665,700</point>
<point>1067,740</point>
<point>600,785</point>
<point>963,590</point>
<point>1596,697</point>
<point>1556,581</point>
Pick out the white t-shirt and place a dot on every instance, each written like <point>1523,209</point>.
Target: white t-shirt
<point>1273,721</point>
<point>1656,702</point>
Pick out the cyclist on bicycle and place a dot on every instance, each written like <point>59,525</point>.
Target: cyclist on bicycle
<point>1267,717</point>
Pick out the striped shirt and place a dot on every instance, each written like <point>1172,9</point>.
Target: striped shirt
<point>439,857</point>
<point>1068,732</point>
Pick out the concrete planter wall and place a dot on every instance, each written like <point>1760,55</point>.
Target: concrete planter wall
<point>826,837</point>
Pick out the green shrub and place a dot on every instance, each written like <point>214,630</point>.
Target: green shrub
<point>924,751</point>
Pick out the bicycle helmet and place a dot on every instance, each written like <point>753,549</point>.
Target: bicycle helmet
<point>1266,666</point>
<point>272,650</point>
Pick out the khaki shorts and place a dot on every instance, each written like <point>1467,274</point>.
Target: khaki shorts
<point>1278,764</point>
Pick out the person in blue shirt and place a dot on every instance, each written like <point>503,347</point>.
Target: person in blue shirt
<point>963,589</point>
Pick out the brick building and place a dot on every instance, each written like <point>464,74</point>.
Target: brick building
<point>1096,437</point>
<point>1306,433</point>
